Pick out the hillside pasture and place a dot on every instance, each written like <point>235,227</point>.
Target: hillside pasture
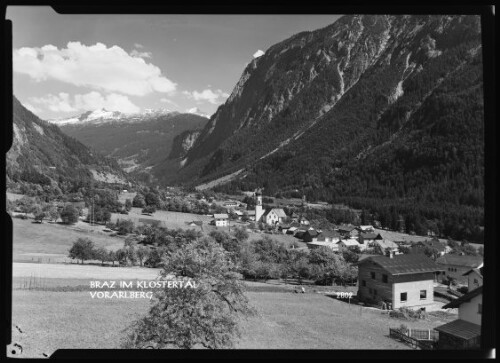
<point>52,241</point>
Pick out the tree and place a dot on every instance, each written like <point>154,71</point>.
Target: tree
<point>69,214</point>
<point>205,316</point>
<point>82,249</point>
<point>112,257</point>
<point>121,256</point>
<point>39,216</point>
<point>101,254</point>
<point>128,204</point>
<point>152,199</point>
<point>240,233</point>
<point>139,201</point>
<point>53,213</point>
<point>124,227</point>
<point>142,254</point>
<point>150,209</point>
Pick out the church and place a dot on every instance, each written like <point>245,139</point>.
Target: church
<point>270,217</point>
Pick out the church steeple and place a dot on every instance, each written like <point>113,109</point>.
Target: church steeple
<point>258,205</point>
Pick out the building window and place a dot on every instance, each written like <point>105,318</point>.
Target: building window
<point>479,308</point>
<point>363,283</point>
<point>423,294</point>
<point>372,274</point>
<point>384,278</point>
<point>370,290</point>
<point>375,292</point>
<point>403,296</point>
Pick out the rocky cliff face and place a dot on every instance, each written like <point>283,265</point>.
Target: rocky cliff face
<point>313,77</point>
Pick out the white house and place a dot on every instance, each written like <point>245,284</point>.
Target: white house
<point>346,243</point>
<point>465,332</point>
<point>221,220</point>
<point>274,216</point>
<point>385,244</point>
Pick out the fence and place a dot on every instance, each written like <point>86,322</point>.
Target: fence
<point>413,341</point>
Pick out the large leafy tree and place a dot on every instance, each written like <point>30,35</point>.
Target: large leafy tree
<point>204,316</point>
<point>82,249</point>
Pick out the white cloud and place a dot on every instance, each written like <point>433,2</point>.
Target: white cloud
<point>55,103</point>
<point>258,53</point>
<point>136,53</point>
<point>214,97</point>
<point>138,45</point>
<point>97,66</point>
<point>62,102</point>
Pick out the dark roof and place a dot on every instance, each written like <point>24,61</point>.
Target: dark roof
<point>433,244</point>
<point>465,298</point>
<point>461,329</point>
<point>369,235</point>
<point>404,264</point>
<point>346,228</point>
<point>330,234</point>
<point>312,232</point>
<point>458,260</point>
<point>479,271</point>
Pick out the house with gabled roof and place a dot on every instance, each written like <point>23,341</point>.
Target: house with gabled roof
<point>385,244</point>
<point>347,243</point>
<point>221,219</point>
<point>474,278</point>
<point>398,280</point>
<point>465,332</point>
<point>454,266</point>
<point>347,231</point>
<point>367,238</point>
<point>274,216</point>
<point>327,236</point>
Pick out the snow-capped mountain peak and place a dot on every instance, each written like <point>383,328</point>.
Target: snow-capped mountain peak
<point>102,115</point>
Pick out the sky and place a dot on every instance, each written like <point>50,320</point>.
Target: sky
<point>64,65</point>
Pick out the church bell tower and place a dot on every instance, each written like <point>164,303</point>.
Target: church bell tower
<point>258,205</point>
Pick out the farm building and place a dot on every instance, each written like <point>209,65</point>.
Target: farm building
<point>400,280</point>
<point>221,220</point>
<point>465,332</point>
<point>454,266</point>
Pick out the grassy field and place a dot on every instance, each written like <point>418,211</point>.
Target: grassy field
<point>50,242</point>
<point>52,320</point>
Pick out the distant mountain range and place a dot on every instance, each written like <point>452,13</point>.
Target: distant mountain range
<point>42,156</point>
<point>102,115</point>
<point>140,142</point>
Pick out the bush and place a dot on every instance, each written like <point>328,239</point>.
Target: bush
<point>408,314</point>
